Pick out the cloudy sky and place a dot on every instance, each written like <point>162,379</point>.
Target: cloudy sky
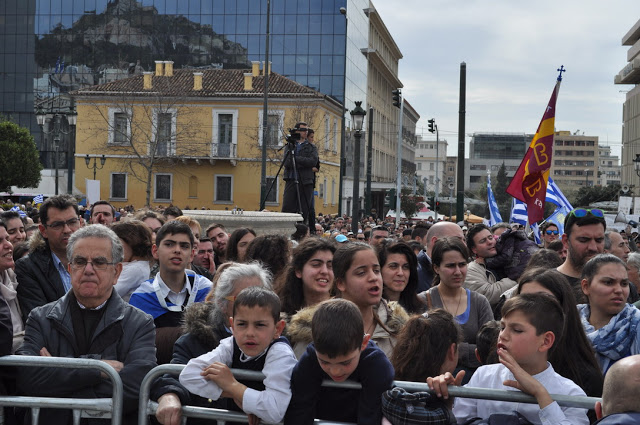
<point>512,50</point>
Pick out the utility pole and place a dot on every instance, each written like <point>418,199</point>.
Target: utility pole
<point>397,97</point>
<point>461,128</point>
<point>434,127</point>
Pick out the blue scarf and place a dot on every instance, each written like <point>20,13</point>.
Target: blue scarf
<point>613,340</point>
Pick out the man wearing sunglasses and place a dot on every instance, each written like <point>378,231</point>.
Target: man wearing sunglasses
<point>43,275</point>
<point>550,233</point>
<point>583,239</point>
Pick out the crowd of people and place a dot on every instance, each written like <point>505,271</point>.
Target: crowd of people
<point>430,302</point>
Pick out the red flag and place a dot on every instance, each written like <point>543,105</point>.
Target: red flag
<point>529,184</point>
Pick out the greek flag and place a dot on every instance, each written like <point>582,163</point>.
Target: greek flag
<point>19,211</point>
<point>536,233</point>
<point>555,196</point>
<point>494,213</point>
<point>38,199</point>
<point>518,212</point>
<point>558,217</point>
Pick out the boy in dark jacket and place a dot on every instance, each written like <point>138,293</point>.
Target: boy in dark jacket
<point>339,352</point>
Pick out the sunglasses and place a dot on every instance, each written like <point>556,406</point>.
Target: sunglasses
<point>552,232</point>
<point>582,212</point>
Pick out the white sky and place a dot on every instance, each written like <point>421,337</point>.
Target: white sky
<point>512,50</point>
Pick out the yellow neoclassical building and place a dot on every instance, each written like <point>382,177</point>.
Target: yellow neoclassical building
<point>193,138</point>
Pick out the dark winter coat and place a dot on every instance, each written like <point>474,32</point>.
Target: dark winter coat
<point>39,282</point>
<point>514,251</point>
<point>123,333</point>
<point>306,159</point>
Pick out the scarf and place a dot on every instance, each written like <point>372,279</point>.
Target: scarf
<point>8,284</point>
<point>615,338</point>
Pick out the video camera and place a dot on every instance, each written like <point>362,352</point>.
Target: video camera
<point>293,136</point>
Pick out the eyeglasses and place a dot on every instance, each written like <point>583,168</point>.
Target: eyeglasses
<point>79,263</point>
<point>58,225</point>
<point>582,212</point>
<point>552,232</point>
<point>230,298</point>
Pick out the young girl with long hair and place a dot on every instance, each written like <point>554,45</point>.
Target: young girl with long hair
<point>358,279</point>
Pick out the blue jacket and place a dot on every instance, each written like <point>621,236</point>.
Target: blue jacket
<point>628,418</point>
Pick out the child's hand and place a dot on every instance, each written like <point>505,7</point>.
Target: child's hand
<point>220,374</point>
<point>524,382</point>
<point>439,383</point>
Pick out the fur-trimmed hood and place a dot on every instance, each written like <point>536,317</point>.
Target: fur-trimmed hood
<point>37,243</point>
<point>205,322</point>
<point>392,314</point>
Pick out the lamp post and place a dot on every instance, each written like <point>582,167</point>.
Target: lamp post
<point>343,159</point>
<point>357,117</point>
<point>71,118</point>
<point>636,164</point>
<point>87,160</point>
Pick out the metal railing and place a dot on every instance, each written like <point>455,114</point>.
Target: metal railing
<point>147,407</point>
<point>90,408</point>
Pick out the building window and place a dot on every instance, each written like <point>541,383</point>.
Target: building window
<point>225,136</point>
<point>327,133</point>
<point>163,187</point>
<point>273,130</point>
<point>431,166</point>
<point>333,192</point>
<point>272,198</point>
<point>321,191</point>
<point>474,179</point>
<point>275,124</point>
<point>164,136</point>
<point>334,136</point>
<point>193,187</point>
<point>326,192</point>
<point>118,186</point>
<point>120,130</point>
<point>223,188</point>
<point>419,166</point>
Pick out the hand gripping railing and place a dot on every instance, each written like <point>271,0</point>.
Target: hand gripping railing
<point>147,407</point>
<point>92,407</point>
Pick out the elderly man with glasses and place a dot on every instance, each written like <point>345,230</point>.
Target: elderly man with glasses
<point>43,275</point>
<point>90,321</point>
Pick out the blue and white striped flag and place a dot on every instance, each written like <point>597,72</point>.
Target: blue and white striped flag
<point>555,196</point>
<point>536,233</point>
<point>494,212</point>
<point>19,211</point>
<point>38,199</point>
<point>518,212</point>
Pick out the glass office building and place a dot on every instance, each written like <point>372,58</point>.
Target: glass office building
<point>51,47</point>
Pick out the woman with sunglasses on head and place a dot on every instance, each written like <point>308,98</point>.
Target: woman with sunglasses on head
<point>470,309</point>
<point>612,325</point>
<point>584,237</point>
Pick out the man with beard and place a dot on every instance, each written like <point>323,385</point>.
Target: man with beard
<point>482,244</point>
<point>219,238</point>
<point>584,239</point>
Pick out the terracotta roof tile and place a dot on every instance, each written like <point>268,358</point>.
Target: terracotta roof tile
<point>215,83</point>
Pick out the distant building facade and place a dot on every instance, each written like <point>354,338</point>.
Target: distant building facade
<point>609,169</point>
<point>575,160</point>
<point>428,154</point>
<point>630,75</point>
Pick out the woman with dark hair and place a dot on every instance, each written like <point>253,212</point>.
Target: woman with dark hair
<point>309,277</point>
<point>272,251</point>
<point>357,273</point>
<point>136,241</point>
<point>302,231</point>
<point>612,325</point>
<point>238,243</point>
<point>470,309</point>
<point>572,356</point>
<point>307,281</point>
<point>399,267</point>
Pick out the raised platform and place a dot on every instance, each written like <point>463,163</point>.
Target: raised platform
<point>262,222</point>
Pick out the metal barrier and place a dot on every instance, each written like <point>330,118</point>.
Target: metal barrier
<point>91,408</point>
<point>147,407</point>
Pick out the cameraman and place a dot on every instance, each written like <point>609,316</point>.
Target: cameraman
<point>306,155</point>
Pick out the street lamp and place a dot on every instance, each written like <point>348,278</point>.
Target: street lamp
<point>357,117</point>
<point>87,160</point>
<point>71,117</point>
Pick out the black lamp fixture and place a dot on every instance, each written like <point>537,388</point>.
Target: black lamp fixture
<point>87,160</point>
<point>636,164</point>
<point>357,117</point>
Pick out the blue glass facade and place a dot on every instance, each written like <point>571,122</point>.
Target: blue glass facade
<point>51,47</point>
